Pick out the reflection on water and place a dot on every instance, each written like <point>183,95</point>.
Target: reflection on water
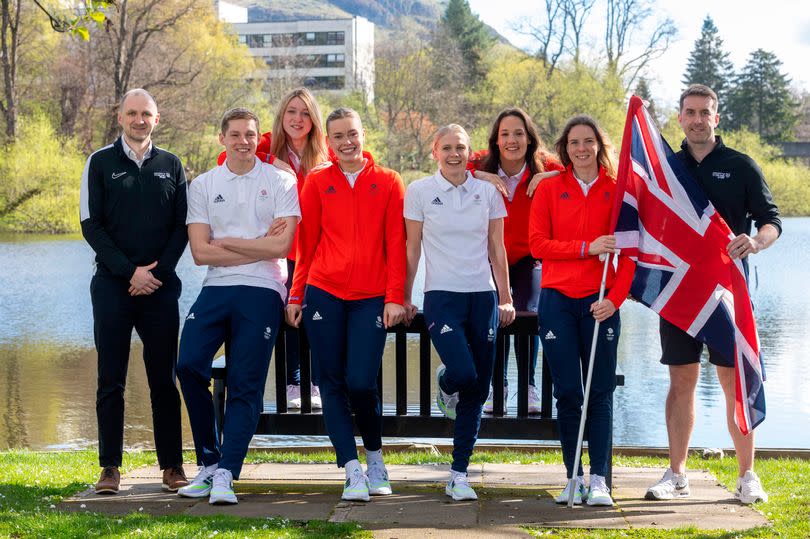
<point>48,364</point>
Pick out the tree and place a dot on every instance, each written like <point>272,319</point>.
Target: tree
<point>708,63</point>
<point>560,30</point>
<point>643,91</point>
<point>416,90</point>
<point>464,27</point>
<point>761,100</point>
<point>624,19</point>
<point>76,21</point>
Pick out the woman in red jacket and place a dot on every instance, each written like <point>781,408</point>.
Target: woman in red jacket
<point>515,162</point>
<point>351,261</point>
<point>296,144</point>
<point>569,229</point>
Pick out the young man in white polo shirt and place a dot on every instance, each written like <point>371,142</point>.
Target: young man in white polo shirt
<point>241,220</point>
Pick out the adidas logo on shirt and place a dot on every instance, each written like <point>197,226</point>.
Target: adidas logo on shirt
<point>550,336</point>
<point>190,316</point>
<point>331,190</point>
<point>437,202</point>
<point>564,196</point>
<point>445,328</point>
<point>317,316</point>
<point>219,198</point>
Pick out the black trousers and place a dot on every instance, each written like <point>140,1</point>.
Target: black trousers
<point>156,319</point>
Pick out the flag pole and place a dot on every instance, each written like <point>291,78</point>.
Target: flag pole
<point>572,481</point>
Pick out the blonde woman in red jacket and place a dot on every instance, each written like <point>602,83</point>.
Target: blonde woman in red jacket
<point>348,288</point>
<point>569,230</point>
<point>515,161</point>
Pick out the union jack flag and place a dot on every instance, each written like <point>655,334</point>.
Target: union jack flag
<point>665,222</point>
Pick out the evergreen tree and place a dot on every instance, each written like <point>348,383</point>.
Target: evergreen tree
<point>708,64</point>
<point>761,100</point>
<point>643,91</point>
<point>464,27</point>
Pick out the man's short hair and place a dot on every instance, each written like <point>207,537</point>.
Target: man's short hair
<point>700,90</point>
<point>237,114</point>
<point>136,91</point>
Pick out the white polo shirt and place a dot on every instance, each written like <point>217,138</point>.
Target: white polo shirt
<point>244,207</point>
<point>455,231</point>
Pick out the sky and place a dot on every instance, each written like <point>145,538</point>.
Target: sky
<point>778,26</point>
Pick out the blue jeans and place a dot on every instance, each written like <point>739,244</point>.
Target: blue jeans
<point>250,317</point>
<point>463,327</point>
<point>566,328</point>
<point>347,338</point>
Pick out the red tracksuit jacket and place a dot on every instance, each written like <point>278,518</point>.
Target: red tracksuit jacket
<point>562,224</point>
<point>351,241</point>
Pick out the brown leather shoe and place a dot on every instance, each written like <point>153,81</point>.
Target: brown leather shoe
<point>174,477</point>
<point>109,480</point>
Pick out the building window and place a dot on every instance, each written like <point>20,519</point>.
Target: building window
<point>310,36</point>
<point>335,60</point>
<point>283,40</point>
<point>268,60</point>
<point>335,38</point>
<point>255,41</point>
<point>326,83</point>
<point>242,39</point>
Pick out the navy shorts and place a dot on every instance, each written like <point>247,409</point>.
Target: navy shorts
<point>680,348</point>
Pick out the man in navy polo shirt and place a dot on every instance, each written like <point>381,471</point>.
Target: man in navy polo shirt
<point>241,221</point>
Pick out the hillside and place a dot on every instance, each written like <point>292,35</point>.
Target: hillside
<point>383,13</point>
<point>386,14</point>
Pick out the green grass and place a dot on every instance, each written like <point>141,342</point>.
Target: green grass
<point>32,485</point>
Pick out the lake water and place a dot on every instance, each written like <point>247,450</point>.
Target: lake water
<point>48,363</point>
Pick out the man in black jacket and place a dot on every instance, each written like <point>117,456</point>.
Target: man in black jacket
<point>133,211</point>
<point>736,187</point>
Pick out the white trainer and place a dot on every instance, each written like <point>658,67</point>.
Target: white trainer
<point>749,489</point>
<point>598,492</point>
<point>222,489</point>
<point>580,494</point>
<point>356,487</point>
<point>445,401</point>
<point>489,405</point>
<point>534,400</point>
<point>672,485</point>
<point>293,396</point>
<point>200,486</point>
<point>459,488</point>
<point>315,397</point>
<point>378,484</point>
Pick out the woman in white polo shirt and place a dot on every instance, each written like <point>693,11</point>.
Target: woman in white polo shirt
<point>459,223</point>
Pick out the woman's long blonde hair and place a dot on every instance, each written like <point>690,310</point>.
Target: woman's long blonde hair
<point>315,151</point>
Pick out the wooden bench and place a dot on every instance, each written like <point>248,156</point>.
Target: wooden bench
<point>403,418</point>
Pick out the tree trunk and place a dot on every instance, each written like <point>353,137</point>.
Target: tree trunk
<point>9,34</point>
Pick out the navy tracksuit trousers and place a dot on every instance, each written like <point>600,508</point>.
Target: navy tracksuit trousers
<point>347,338</point>
<point>463,327</point>
<point>566,328</point>
<point>249,317</point>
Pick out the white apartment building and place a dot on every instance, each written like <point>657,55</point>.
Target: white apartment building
<point>330,54</point>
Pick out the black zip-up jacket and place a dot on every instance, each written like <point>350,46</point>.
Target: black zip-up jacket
<point>132,217</point>
<point>734,183</point>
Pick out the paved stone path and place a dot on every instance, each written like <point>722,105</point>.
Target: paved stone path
<point>510,495</point>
